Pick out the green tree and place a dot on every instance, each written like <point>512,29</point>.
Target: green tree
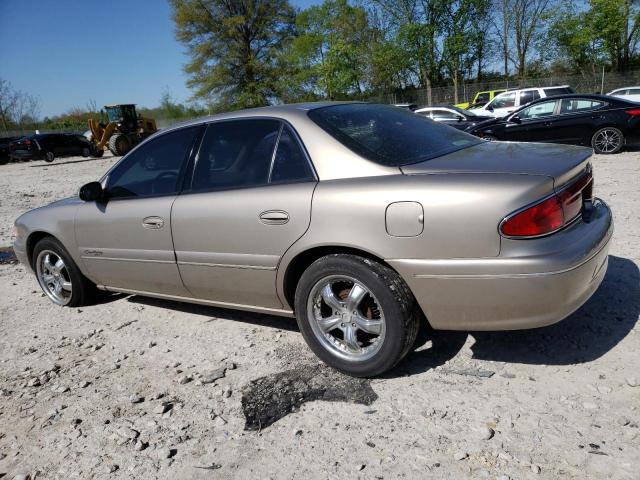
<point>233,46</point>
<point>330,55</point>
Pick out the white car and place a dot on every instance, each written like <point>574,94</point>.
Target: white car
<point>628,93</point>
<point>509,101</point>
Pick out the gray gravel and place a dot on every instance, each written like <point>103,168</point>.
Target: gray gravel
<point>85,394</point>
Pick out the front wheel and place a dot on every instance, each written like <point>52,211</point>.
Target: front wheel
<point>607,140</point>
<point>59,276</point>
<point>86,152</point>
<point>357,315</point>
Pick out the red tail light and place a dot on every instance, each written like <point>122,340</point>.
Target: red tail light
<point>552,213</point>
<point>633,112</point>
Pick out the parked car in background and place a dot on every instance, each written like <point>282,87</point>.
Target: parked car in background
<point>480,99</point>
<point>452,116</point>
<point>49,146</point>
<point>4,148</point>
<point>602,122</point>
<point>511,100</point>
<point>628,93</point>
<point>360,220</point>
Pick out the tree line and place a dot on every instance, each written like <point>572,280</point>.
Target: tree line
<point>247,53</point>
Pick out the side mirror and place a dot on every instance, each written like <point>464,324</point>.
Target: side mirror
<point>91,192</point>
<point>460,118</point>
<point>490,108</point>
<point>515,119</point>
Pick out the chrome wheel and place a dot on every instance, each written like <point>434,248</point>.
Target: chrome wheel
<point>53,277</point>
<point>346,318</point>
<point>607,140</point>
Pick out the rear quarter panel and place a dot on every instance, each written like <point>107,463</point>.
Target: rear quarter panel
<point>461,214</point>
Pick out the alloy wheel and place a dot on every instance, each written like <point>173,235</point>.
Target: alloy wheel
<point>346,318</point>
<point>53,277</point>
<point>607,140</point>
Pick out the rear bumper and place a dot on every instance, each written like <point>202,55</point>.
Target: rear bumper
<point>527,290</point>
<point>24,155</point>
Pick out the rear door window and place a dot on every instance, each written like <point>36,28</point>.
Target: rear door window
<point>570,105</point>
<point>290,163</point>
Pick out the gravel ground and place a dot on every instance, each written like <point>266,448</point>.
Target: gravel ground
<point>142,388</point>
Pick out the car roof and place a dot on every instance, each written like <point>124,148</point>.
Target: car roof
<point>622,88</point>
<point>285,111</point>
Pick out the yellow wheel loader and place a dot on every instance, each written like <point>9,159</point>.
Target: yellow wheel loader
<point>124,130</point>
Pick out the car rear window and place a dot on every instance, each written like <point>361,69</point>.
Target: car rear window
<point>388,135</point>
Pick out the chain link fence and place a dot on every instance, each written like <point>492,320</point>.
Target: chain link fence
<point>586,83</point>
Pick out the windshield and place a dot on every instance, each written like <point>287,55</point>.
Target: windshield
<point>388,135</point>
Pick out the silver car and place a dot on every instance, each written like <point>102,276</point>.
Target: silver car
<point>360,220</point>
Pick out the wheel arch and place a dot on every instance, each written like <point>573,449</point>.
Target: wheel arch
<point>302,260</point>
<point>32,241</point>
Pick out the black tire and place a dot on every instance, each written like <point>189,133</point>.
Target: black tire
<point>49,157</point>
<point>4,160</point>
<point>86,151</point>
<point>83,290</point>
<point>603,147</point>
<point>401,313</point>
<point>119,144</point>
<point>97,153</point>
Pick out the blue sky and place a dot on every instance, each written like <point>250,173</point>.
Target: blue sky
<point>68,52</point>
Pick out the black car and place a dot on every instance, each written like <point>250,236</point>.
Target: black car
<point>4,148</point>
<point>605,123</point>
<point>48,146</point>
<point>453,116</point>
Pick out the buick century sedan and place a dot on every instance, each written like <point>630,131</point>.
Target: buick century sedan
<point>359,220</point>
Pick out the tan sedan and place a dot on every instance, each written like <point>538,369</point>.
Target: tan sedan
<point>360,220</point>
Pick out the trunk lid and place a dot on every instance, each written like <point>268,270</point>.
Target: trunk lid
<point>560,162</point>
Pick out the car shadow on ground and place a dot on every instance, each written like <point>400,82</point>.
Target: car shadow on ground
<point>215,313</point>
<point>53,164</point>
<point>589,333</point>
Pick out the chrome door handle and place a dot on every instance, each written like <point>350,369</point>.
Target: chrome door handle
<point>153,223</point>
<point>274,217</point>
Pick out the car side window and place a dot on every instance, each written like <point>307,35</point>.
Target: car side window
<point>290,163</point>
<point>442,114</point>
<point>543,109</point>
<point>504,101</point>
<point>570,105</point>
<point>633,91</point>
<point>528,96</point>
<point>235,154</point>
<point>153,168</point>
<point>482,97</point>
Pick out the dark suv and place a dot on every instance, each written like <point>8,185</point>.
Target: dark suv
<point>48,146</point>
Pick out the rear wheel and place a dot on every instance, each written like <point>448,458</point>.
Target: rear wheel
<point>607,140</point>
<point>49,157</point>
<point>357,315</point>
<point>119,144</point>
<point>59,276</point>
